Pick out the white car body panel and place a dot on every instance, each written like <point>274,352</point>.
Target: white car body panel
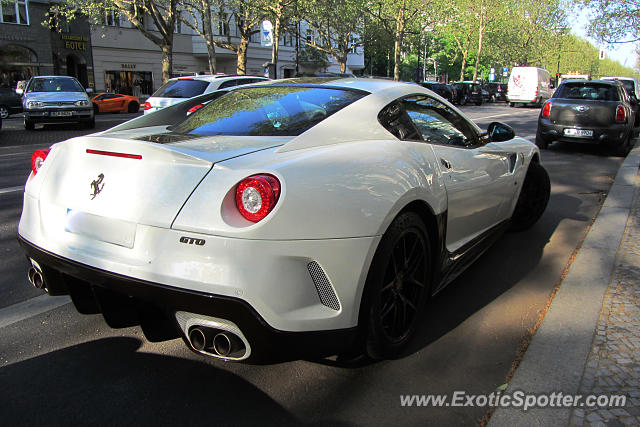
<point>342,183</point>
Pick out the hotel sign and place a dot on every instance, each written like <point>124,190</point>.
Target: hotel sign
<point>75,42</point>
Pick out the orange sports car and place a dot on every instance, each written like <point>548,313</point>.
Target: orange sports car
<point>115,103</point>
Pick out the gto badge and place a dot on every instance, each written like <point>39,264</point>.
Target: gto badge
<point>192,241</point>
<point>97,186</point>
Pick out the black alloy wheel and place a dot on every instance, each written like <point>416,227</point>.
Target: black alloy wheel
<point>398,283</point>
<point>533,199</point>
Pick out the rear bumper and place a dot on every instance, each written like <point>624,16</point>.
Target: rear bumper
<point>616,133</point>
<point>91,287</point>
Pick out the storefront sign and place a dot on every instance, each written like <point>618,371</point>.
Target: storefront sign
<point>75,42</point>
<point>128,66</point>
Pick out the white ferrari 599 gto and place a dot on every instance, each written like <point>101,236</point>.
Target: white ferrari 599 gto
<point>296,218</point>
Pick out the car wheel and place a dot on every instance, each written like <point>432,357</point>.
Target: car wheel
<point>4,112</point>
<point>533,198</point>
<point>542,141</point>
<point>96,109</point>
<point>512,104</point>
<point>479,102</point>
<point>622,149</point>
<point>397,286</point>
<point>29,125</point>
<point>133,107</point>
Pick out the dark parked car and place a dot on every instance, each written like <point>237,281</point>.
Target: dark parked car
<point>595,111</point>
<point>446,91</point>
<point>10,102</point>
<point>468,92</point>
<point>497,91</point>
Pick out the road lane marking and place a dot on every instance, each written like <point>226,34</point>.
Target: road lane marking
<point>11,189</point>
<point>30,308</point>
<point>496,115</point>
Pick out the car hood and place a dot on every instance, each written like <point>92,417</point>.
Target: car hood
<point>56,96</point>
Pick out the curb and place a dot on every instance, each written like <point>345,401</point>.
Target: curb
<point>558,352</point>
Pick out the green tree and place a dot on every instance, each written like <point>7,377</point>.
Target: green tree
<point>337,25</point>
<point>163,15</point>
<point>614,21</point>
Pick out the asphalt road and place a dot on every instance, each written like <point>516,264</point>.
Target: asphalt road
<point>60,367</point>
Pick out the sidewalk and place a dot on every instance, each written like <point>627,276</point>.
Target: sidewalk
<point>589,340</point>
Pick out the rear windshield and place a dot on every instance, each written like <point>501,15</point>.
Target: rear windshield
<point>587,91</point>
<point>181,89</point>
<point>267,111</point>
<point>54,85</point>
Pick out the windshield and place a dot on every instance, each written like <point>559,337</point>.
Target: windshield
<point>181,89</point>
<point>54,85</point>
<point>587,91</point>
<point>267,111</point>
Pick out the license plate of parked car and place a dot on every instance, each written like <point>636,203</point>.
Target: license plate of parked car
<point>61,113</point>
<point>578,132</point>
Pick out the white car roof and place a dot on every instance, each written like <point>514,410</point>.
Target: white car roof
<point>217,77</point>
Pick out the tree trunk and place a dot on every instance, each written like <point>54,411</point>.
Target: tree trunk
<point>480,37</point>
<point>388,63</point>
<point>241,67</point>
<point>343,63</point>
<point>167,61</point>
<point>211,53</point>
<point>208,31</point>
<point>464,64</point>
<point>276,43</point>
<point>400,24</point>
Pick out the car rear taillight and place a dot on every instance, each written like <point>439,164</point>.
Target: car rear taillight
<point>546,110</point>
<point>621,114</point>
<point>37,159</point>
<point>194,108</point>
<point>257,195</point>
<point>185,78</point>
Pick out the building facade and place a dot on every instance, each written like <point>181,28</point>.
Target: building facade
<point>115,57</point>
<point>27,48</point>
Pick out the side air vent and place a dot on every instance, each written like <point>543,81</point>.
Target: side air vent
<point>323,286</point>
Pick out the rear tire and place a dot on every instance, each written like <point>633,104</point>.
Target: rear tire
<point>541,141</point>
<point>512,104</point>
<point>397,287</point>
<point>133,107</point>
<point>623,149</point>
<point>533,198</point>
<point>4,112</point>
<point>29,125</point>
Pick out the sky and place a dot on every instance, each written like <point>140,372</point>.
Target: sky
<point>624,53</point>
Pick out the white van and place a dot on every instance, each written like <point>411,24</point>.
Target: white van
<point>529,85</point>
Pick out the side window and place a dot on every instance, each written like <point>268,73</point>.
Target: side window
<point>394,118</point>
<point>228,83</point>
<point>439,124</point>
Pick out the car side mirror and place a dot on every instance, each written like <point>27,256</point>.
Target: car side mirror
<point>499,132</point>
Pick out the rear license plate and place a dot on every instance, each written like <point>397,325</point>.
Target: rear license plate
<point>578,132</point>
<point>61,113</point>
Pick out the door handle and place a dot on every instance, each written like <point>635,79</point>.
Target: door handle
<point>445,163</point>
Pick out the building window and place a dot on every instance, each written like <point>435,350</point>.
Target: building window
<point>111,18</point>
<point>15,13</point>
<point>223,24</point>
<point>178,28</point>
<point>288,39</point>
<point>309,36</point>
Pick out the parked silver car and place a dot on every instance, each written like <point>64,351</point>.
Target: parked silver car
<point>55,99</point>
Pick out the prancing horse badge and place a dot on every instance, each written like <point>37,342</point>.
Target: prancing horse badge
<point>97,186</point>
